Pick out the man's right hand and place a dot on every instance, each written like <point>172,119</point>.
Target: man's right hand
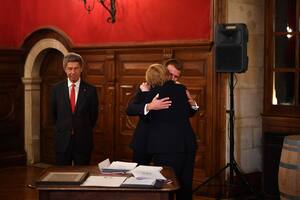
<point>159,104</point>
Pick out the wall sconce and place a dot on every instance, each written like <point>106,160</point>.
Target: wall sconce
<point>111,10</point>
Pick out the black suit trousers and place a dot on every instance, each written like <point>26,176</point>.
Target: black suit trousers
<point>183,165</point>
<point>66,158</point>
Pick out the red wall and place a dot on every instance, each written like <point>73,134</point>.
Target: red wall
<point>136,21</point>
<point>9,23</point>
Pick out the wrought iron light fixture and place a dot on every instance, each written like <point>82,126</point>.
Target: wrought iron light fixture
<point>111,8</point>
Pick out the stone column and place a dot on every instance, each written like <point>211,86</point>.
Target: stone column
<point>32,119</point>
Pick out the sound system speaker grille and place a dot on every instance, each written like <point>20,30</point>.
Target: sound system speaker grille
<point>231,48</point>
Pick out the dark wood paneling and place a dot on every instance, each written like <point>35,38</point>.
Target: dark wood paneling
<point>51,72</point>
<point>131,67</point>
<point>99,71</point>
<point>11,108</point>
<point>117,73</point>
<point>281,124</point>
<point>198,78</point>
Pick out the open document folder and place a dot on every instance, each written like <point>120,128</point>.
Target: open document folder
<point>122,181</point>
<point>116,166</point>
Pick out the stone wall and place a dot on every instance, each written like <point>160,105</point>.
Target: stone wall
<point>249,88</point>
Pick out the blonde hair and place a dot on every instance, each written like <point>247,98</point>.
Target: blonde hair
<point>156,75</point>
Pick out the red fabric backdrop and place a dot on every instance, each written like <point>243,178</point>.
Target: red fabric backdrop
<point>136,21</point>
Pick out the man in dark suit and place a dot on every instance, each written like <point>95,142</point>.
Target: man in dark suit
<point>74,107</point>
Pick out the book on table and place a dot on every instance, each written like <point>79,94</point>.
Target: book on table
<point>62,178</point>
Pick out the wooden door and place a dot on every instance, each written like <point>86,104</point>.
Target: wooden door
<point>197,77</point>
<point>131,68</point>
<point>51,73</point>
<point>100,72</point>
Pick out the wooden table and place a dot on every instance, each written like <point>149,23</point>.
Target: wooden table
<point>76,192</point>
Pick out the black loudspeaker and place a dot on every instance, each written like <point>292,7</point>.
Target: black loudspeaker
<point>231,48</point>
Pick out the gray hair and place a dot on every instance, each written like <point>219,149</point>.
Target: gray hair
<point>72,57</point>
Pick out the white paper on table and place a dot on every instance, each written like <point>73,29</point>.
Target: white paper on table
<point>122,165</point>
<point>104,181</point>
<point>148,168</point>
<point>116,166</point>
<point>104,163</point>
<point>136,181</point>
<point>148,172</point>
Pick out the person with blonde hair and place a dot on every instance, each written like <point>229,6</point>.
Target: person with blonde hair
<point>171,139</point>
<point>156,76</point>
<point>168,136</point>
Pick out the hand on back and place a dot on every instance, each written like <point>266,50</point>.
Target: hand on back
<point>159,104</point>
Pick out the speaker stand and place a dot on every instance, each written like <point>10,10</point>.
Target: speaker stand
<point>232,165</point>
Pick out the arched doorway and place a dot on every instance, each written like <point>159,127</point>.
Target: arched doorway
<point>32,92</point>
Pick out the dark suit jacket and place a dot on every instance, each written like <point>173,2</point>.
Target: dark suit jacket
<point>81,122</point>
<point>170,129</point>
<point>136,108</point>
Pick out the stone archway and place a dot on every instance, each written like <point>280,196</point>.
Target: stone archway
<point>32,82</point>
